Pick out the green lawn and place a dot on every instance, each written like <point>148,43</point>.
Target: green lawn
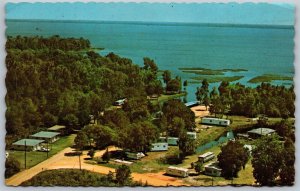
<point>35,157</point>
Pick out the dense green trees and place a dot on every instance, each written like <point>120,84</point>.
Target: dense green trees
<point>232,158</point>
<point>237,99</point>
<point>175,108</point>
<point>61,80</point>
<point>75,177</point>
<point>267,160</point>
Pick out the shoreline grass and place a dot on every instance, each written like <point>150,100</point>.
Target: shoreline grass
<point>206,71</point>
<point>269,78</point>
<point>214,79</point>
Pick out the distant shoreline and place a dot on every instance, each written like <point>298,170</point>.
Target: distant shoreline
<point>265,26</point>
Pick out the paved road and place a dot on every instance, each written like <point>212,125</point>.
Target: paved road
<point>59,161</point>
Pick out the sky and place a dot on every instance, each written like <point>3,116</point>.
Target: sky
<point>227,13</point>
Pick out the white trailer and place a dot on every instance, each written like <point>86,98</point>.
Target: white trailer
<point>135,156</point>
<point>177,171</point>
<point>215,121</point>
<point>159,147</point>
<point>192,135</point>
<point>206,157</point>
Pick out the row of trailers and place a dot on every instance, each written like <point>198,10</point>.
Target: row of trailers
<point>211,169</point>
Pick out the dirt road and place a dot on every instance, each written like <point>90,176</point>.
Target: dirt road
<point>59,161</point>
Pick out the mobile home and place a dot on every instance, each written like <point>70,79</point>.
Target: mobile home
<point>192,135</point>
<point>173,141</point>
<point>206,157</point>
<point>135,156</point>
<point>159,147</point>
<point>119,102</point>
<point>213,169</point>
<point>176,171</point>
<point>215,121</point>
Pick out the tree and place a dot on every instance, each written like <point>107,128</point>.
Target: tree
<point>267,160</point>
<point>136,108</point>
<point>232,158</point>
<point>173,85</point>
<point>12,166</point>
<point>150,64</point>
<point>70,120</point>
<point>104,136</point>
<point>123,175</point>
<point>202,93</point>
<point>177,125</point>
<point>166,76</point>
<point>287,173</point>
<point>175,108</point>
<point>81,140</point>
<point>186,145</point>
<point>91,153</point>
<point>106,156</point>
<point>198,167</point>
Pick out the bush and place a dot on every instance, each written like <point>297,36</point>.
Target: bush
<point>172,158</point>
<point>123,174</point>
<point>12,166</point>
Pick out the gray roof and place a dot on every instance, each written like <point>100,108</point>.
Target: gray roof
<point>29,142</point>
<point>45,134</point>
<point>262,131</point>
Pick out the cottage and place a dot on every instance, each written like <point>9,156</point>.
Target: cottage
<point>206,157</point>
<point>215,121</point>
<point>29,144</point>
<point>213,169</point>
<point>177,171</point>
<point>255,133</point>
<point>159,147</point>
<point>173,141</point>
<point>49,137</point>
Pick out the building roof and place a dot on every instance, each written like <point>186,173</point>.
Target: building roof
<point>29,142</point>
<point>56,127</point>
<point>206,154</point>
<point>192,103</point>
<point>159,144</point>
<point>213,165</point>
<point>45,134</point>
<point>262,131</point>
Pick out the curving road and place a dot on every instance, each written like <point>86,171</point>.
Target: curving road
<point>59,161</point>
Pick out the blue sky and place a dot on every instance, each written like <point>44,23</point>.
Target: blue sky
<point>229,13</point>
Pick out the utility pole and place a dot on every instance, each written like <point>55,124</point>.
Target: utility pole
<point>47,149</point>
<point>79,161</point>
<point>25,153</point>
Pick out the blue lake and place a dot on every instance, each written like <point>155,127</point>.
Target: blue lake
<point>260,50</point>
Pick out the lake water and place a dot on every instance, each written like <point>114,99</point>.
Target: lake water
<point>260,50</point>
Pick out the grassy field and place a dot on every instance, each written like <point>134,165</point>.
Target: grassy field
<point>269,78</point>
<point>164,98</point>
<point>35,157</point>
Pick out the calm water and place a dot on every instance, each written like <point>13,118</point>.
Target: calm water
<point>259,50</point>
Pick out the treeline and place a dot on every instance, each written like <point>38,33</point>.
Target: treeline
<point>237,99</point>
<point>54,42</point>
<point>47,85</point>
<point>76,177</point>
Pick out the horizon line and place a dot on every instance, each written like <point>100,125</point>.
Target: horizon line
<point>246,25</point>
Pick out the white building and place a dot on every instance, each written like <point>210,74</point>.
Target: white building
<point>206,157</point>
<point>215,121</point>
<point>159,147</point>
<point>213,169</point>
<point>177,171</point>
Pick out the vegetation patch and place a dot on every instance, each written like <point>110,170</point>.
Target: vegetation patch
<point>73,177</point>
<point>206,71</point>
<point>214,79</point>
<point>270,78</point>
